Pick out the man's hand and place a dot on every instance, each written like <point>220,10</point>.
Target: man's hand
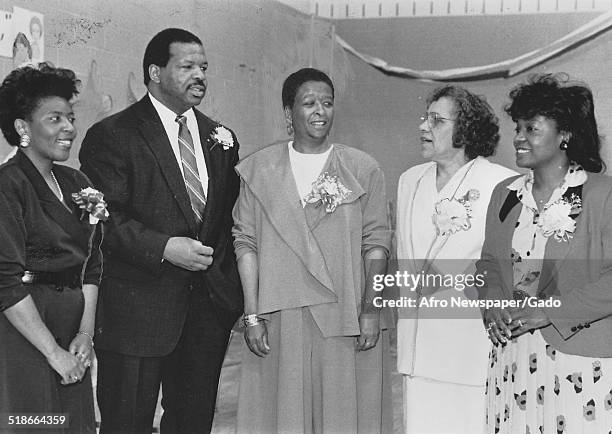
<point>187,253</point>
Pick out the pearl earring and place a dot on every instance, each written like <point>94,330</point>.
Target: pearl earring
<point>24,140</point>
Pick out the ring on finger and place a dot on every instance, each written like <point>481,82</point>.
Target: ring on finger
<point>490,325</point>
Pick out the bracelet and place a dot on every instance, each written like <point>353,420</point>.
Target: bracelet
<point>251,320</point>
<point>81,332</point>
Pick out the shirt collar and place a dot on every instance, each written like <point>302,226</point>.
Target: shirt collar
<point>168,115</point>
<point>574,177</point>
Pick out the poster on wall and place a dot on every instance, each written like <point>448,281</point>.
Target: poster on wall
<point>22,36</point>
<point>6,31</point>
<point>29,37</point>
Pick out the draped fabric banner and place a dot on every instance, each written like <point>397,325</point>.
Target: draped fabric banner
<point>505,68</point>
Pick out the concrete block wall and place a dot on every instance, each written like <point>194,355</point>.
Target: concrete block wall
<point>251,45</point>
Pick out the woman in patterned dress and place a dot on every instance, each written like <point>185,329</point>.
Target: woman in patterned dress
<point>548,249</point>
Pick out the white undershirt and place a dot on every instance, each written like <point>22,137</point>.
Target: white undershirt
<point>306,168</point>
<point>168,118</point>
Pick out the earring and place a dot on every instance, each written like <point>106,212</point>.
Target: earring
<point>290,128</point>
<point>24,141</point>
<point>563,145</point>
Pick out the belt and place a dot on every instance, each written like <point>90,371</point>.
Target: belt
<point>70,277</point>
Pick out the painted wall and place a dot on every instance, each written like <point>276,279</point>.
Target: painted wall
<point>382,112</point>
<point>251,45</point>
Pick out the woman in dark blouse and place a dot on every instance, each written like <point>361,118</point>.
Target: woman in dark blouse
<point>50,260</point>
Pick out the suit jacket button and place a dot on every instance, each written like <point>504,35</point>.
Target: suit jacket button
<point>587,325</point>
<point>579,326</point>
<point>574,329</point>
<point>190,287</point>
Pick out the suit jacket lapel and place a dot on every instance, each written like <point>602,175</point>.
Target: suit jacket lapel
<point>57,211</point>
<point>334,166</point>
<point>155,136</point>
<point>508,215</point>
<point>557,251</point>
<point>205,128</point>
<point>281,203</point>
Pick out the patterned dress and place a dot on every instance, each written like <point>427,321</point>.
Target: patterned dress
<point>531,387</point>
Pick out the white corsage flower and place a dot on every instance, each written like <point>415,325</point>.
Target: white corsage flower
<point>452,215</point>
<point>555,220</point>
<point>91,201</point>
<point>329,191</point>
<point>222,136</point>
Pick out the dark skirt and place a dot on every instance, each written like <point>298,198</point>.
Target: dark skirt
<point>28,384</point>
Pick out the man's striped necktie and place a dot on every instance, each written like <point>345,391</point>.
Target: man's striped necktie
<point>190,170</point>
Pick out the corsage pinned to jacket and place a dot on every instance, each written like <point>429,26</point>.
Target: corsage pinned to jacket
<point>91,201</point>
<point>222,136</point>
<point>327,190</point>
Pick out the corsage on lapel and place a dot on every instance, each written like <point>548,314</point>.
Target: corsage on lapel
<point>327,190</point>
<point>91,201</point>
<point>454,215</point>
<point>222,136</point>
<point>559,219</point>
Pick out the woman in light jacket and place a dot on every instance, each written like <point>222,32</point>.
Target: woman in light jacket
<point>310,231</point>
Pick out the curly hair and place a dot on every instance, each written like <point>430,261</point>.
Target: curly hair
<point>298,78</point>
<point>476,127</point>
<point>23,89</point>
<point>570,105</point>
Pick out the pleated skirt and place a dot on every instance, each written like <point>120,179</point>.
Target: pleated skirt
<point>312,384</point>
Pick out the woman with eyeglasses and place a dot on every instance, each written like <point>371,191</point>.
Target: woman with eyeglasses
<point>441,209</point>
<point>548,247</point>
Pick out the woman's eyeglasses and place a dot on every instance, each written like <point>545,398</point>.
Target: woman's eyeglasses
<point>434,119</point>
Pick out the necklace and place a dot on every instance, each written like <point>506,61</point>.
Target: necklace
<point>463,179</point>
<point>61,195</point>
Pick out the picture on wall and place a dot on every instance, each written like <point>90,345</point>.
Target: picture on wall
<point>22,36</point>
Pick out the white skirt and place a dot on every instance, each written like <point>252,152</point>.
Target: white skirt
<point>440,407</point>
<point>532,388</point>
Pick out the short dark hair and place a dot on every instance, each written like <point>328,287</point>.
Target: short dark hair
<point>570,105</point>
<point>23,40</point>
<point>158,49</point>
<point>476,128</point>
<point>23,89</point>
<point>298,78</point>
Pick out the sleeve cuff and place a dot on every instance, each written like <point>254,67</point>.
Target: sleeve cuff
<point>12,296</point>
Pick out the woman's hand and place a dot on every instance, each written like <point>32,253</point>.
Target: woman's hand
<point>526,319</point>
<point>369,328</point>
<point>66,365</point>
<point>256,337</point>
<point>82,347</point>
<point>497,323</point>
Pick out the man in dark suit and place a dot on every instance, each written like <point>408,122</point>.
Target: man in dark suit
<point>170,292</point>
